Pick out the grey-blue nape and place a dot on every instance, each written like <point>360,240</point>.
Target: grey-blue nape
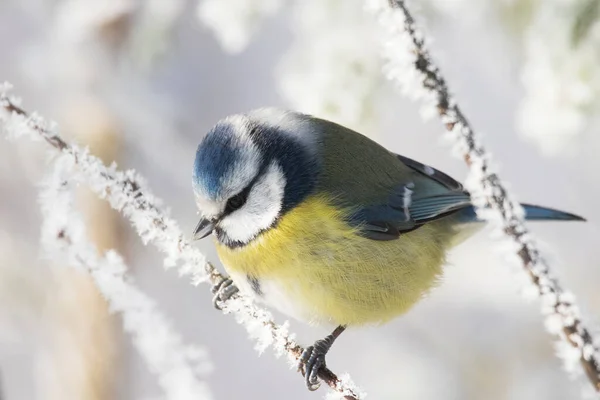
<point>299,165</point>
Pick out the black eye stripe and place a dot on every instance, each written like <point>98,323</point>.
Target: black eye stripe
<point>236,202</point>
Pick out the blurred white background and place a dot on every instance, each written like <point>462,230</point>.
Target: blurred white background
<point>142,81</point>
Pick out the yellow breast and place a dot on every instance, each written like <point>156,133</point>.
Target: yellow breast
<point>331,274</point>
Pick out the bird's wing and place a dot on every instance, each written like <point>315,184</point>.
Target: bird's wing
<point>445,180</point>
<point>428,195</point>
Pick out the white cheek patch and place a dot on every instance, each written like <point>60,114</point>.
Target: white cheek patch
<point>261,208</point>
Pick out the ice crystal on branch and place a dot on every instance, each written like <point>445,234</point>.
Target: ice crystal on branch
<point>409,64</point>
<point>178,367</point>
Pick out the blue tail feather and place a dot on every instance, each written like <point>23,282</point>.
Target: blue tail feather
<point>537,213</point>
<point>532,213</point>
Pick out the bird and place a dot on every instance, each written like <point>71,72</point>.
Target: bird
<point>324,224</point>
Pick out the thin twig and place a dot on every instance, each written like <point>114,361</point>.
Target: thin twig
<point>407,49</point>
<point>126,192</point>
<point>177,366</point>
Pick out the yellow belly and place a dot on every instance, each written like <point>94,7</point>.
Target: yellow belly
<point>329,274</point>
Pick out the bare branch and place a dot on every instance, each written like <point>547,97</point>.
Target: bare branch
<point>127,193</point>
<point>410,65</point>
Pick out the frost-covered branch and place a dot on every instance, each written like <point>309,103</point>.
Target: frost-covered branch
<point>178,367</point>
<point>127,193</point>
<point>410,65</point>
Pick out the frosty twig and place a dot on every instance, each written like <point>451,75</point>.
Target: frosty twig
<point>127,193</point>
<point>410,65</point>
<point>179,368</point>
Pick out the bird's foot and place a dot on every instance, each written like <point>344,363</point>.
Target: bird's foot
<point>312,360</point>
<point>223,292</point>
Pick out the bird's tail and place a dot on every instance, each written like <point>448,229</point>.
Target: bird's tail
<point>466,218</point>
<point>532,213</point>
<point>537,213</point>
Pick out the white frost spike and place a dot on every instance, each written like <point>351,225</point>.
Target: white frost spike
<point>5,87</point>
<point>347,387</point>
<point>235,21</point>
<point>63,236</point>
<point>408,59</point>
<point>554,324</point>
<point>569,355</point>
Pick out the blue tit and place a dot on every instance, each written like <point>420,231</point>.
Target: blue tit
<point>324,224</point>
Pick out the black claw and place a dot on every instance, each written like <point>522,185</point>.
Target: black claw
<point>216,287</point>
<point>312,359</point>
<point>223,291</point>
<point>306,366</point>
<point>313,378</point>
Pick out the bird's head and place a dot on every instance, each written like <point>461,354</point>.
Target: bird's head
<point>249,170</point>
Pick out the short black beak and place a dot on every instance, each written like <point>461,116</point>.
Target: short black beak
<point>204,228</point>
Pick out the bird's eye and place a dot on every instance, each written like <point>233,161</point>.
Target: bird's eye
<point>236,201</point>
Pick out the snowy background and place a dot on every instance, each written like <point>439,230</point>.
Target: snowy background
<point>140,83</point>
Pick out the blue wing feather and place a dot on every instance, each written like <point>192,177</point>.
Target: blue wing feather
<point>438,176</point>
<point>430,208</point>
<point>427,195</point>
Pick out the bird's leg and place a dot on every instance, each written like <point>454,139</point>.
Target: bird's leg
<point>223,291</point>
<point>313,358</point>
